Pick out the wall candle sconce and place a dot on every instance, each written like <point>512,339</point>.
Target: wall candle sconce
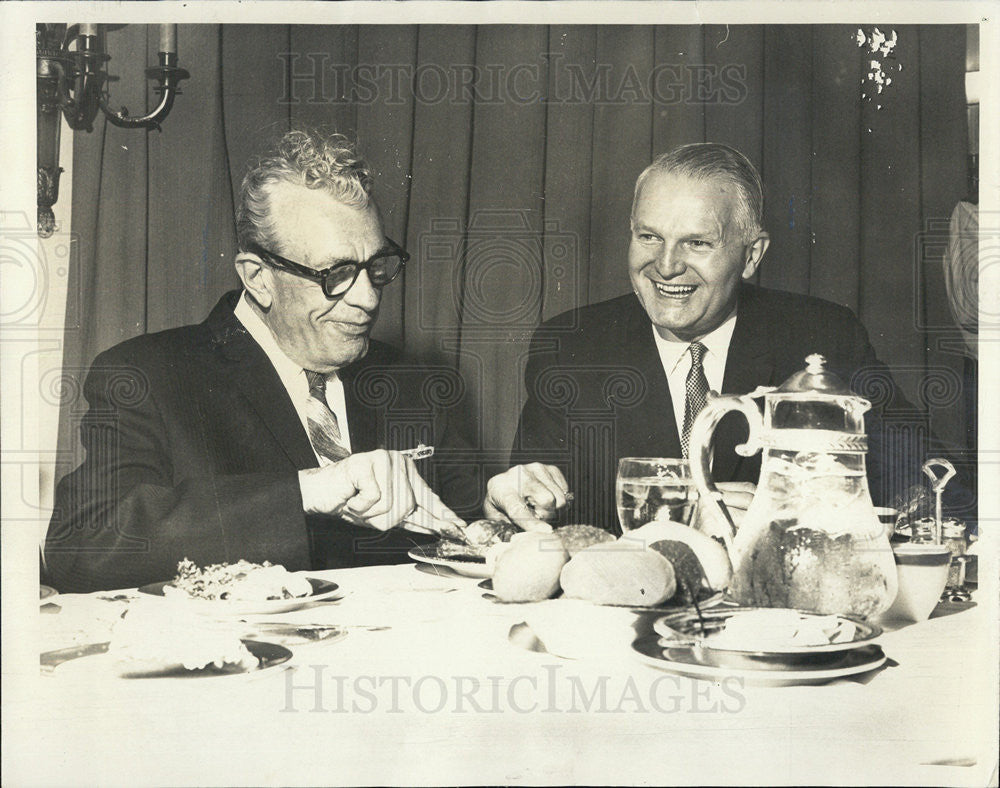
<point>72,82</point>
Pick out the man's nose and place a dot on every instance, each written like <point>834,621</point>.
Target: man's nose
<point>363,294</point>
<point>670,261</point>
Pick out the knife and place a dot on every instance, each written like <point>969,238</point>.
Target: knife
<point>50,660</point>
<point>418,521</point>
<point>304,632</point>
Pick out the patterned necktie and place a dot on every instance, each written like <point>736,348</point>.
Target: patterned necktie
<point>324,432</point>
<point>696,389</point>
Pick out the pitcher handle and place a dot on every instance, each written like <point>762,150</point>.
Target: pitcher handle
<point>700,454</point>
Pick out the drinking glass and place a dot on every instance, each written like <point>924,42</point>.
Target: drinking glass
<point>654,488</point>
<point>887,517</point>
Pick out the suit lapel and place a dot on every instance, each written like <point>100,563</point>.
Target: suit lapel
<point>250,371</point>
<point>750,363</point>
<point>650,427</point>
<point>363,419</point>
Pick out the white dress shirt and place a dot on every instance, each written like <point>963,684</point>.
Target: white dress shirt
<point>293,377</point>
<point>676,363</point>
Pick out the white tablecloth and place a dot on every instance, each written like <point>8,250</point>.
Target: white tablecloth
<point>435,693</point>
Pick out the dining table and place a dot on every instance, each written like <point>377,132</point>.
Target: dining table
<point>426,678</point>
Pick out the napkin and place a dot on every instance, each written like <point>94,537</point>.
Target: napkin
<point>575,629</point>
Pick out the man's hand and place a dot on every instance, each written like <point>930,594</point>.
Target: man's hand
<point>431,514</point>
<point>527,495</point>
<point>379,488</point>
<point>736,496</point>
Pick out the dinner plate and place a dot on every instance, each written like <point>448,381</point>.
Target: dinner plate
<point>323,591</point>
<point>686,662</point>
<point>696,633</point>
<point>44,592</point>
<point>96,661</point>
<point>467,566</point>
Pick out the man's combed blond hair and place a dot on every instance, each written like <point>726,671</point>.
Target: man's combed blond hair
<point>708,160</point>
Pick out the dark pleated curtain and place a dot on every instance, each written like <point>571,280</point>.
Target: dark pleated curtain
<point>505,158</point>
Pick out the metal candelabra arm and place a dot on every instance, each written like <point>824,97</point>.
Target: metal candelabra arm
<point>169,75</point>
<point>72,82</point>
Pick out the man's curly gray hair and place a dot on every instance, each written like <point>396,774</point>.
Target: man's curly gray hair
<point>307,158</point>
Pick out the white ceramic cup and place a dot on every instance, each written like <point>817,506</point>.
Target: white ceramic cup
<point>923,571</point>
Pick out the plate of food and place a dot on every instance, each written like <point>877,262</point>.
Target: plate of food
<point>763,632</point>
<point>244,588</point>
<point>171,639</point>
<point>462,564</point>
<point>686,662</point>
<point>473,557</point>
<point>440,554</point>
<point>255,658</point>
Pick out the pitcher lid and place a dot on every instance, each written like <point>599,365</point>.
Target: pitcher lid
<point>815,379</point>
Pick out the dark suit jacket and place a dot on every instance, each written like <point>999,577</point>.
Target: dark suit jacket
<point>597,390</point>
<point>193,448</point>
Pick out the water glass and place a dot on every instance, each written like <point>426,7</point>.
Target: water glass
<point>654,488</point>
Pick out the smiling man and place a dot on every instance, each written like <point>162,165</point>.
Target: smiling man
<point>694,239</point>
<point>249,436</point>
<point>626,377</point>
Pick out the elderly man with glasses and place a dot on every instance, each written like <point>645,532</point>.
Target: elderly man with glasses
<point>248,436</point>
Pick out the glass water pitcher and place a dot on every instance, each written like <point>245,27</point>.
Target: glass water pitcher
<point>811,539</point>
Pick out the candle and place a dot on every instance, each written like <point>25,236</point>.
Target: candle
<point>168,38</point>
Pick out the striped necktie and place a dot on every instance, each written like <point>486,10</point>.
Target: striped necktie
<point>324,432</point>
<point>696,392</point>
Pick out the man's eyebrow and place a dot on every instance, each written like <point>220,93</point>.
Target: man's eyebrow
<point>717,234</point>
<point>331,263</point>
<point>335,261</point>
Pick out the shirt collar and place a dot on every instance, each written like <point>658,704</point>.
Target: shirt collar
<point>716,342</point>
<point>287,369</point>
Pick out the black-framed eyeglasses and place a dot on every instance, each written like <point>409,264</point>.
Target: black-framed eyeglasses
<point>382,268</point>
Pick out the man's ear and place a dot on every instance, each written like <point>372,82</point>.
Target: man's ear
<point>754,253</point>
<point>255,278</point>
